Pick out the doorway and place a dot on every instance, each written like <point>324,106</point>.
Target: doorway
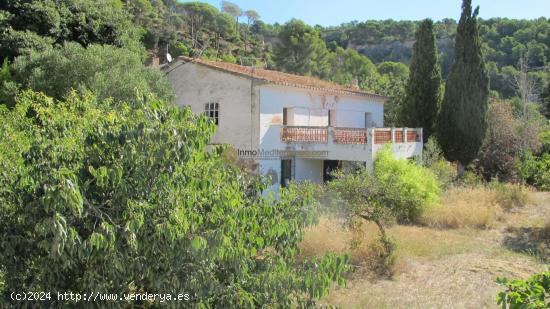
<point>286,172</point>
<point>329,166</point>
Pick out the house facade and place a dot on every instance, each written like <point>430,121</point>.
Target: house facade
<point>291,127</point>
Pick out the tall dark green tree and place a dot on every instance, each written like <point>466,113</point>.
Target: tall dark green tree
<point>423,89</point>
<point>462,122</point>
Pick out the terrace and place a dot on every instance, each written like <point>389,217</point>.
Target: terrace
<point>320,135</point>
<point>346,144</point>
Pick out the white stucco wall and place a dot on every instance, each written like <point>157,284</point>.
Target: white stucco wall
<point>308,169</point>
<point>251,116</point>
<point>311,108</point>
<point>196,85</point>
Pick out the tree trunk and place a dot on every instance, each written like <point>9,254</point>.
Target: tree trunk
<point>381,228</point>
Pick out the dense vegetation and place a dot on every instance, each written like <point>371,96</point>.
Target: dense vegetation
<point>106,197</point>
<point>384,48</point>
<point>105,186</point>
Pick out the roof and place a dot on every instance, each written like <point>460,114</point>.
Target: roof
<point>280,78</point>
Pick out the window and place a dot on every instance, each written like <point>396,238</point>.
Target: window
<point>286,172</point>
<point>368,120</point>
<point>212,110</point>
<point>288,116</point>
<point>331,117</point>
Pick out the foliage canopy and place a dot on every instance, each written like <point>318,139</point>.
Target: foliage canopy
<point>462,122</point>
<point>99,196</point>
<point>107,71</point>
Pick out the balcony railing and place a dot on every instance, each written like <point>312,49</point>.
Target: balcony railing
<point>413,136</point>
<point>382,136</point>
<point>320,135</point>
<point>350,136</point>
<point>305,134</point>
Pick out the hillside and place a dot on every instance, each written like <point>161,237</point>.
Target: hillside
<point>238,35</point>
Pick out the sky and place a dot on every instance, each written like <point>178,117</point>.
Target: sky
<point>335,12</point>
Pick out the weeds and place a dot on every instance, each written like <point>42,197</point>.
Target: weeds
<point>476,207</point>
<point>463,207</point>
<point>510,196</point>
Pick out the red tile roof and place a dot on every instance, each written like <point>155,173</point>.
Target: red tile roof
<point>280,78</point>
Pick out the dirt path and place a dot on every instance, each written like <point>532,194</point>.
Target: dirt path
<point>457,280</point>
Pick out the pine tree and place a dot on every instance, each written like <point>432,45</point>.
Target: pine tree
<point>462,122</point>
<point>423,89</point>
<point>301,50</point>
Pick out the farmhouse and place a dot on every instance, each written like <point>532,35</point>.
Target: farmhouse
<point>292,127</point>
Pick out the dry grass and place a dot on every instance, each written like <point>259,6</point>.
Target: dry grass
<point>475,207</point>
<point>365,249</point>
<point>455,281</point>
<point>464,207</point>
<point>435,267</point>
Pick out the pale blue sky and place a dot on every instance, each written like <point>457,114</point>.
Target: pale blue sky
<point>335,12</point>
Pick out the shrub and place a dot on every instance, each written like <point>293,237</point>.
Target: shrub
<point>228,58</point>
<point>434,160</point>
<point>471,179</point>
<point>107,71</point>
<point>396,189</point>
<point>506,139</point>
<point>414,186</point>
<point>180,49</point>
<point>502,144</point>
<point>533,293</point>
<point>99,196</point>
<point>536,171</point>
<point>545,140</point>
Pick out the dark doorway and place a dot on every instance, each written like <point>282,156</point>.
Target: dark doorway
<point>329,166</point>
<point>286,172</point>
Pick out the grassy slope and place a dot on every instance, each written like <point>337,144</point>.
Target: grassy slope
<point>438,268</point>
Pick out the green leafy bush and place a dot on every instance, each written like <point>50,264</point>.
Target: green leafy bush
<point>544,138</point>
<point>471,179</point>
<point>416,186</point>
<point>536,170</point>
<point>228,58</point>
<point>100,196</point>
<point>433,159</point>
<point>395,190</point>
<point>533,293</point>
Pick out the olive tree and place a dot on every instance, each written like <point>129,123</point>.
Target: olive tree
<point>396,190</point>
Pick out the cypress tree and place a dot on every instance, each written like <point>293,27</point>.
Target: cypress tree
<point>462,122</point>
<point>423,89</point>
